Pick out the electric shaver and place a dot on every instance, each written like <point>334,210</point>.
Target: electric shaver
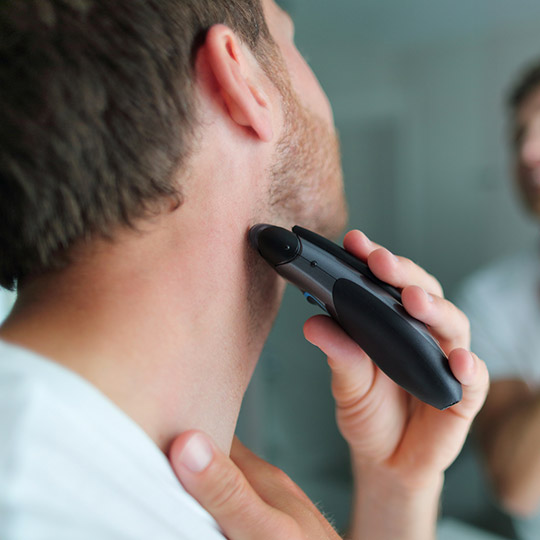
<point>369,310</point>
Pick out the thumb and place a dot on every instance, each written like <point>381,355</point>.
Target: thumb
<point>221,488</point>
<point>353,372</point>
<point>473,375</point>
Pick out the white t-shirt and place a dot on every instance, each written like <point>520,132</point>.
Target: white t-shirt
<point>502,302</point>
<point>7,299</point>
<point>73,466</point>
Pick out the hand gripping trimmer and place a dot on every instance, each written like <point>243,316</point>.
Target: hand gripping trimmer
<point>369,310</point>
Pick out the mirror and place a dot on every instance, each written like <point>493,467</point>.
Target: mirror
<point>419,92</point>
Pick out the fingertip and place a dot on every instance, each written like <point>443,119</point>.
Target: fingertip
<point>191,451</point>
<point>384,257</point>
<point>357,243</point>
<point>416,300</point>
<point>385,266</point>
<point>180,441</point>
<point>464,366</point>
<point>472,373</point>
<point>354,235</point>
<point>314,326</point>
<point>308,328</point>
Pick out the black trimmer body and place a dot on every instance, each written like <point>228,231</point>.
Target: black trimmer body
<point>369,310</point>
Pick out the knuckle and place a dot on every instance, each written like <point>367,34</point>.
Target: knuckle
<point>405,261</point>
<point>410,267</point>
<point>466,323</point>
<point>484,369</point>
<point>437,287</point>
<point>292,530</point>
<point>285,482</point>
<point>280,477</point>
<point>350,396</point>
<point>230,490</point>
<point>278,524</point>
<point>285,527</point>
<point>433,284</point>
<point>463,322</point>
<point>406,266</point>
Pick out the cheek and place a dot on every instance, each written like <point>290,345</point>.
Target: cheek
<point>530,152</point>
<point>306,85</point>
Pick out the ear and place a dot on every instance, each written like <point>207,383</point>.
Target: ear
<point>235,76</point>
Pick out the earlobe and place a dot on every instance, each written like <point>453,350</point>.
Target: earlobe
<point>235,75</point>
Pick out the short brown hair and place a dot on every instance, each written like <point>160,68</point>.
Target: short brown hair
<point>528,83</point>
<point>96,114</point>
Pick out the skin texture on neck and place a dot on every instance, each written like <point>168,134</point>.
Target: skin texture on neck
<point>168,321</point>
<point>163,323</point>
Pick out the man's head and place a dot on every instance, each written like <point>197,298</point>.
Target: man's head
<point>525,110</point>
<point>101,117</point>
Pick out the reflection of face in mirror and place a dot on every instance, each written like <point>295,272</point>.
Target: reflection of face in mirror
<point>418,93</point>
<point>526,102</point>
<point>503,304</point>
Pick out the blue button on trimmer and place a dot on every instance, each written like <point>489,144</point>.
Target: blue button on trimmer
<point>314,301</point>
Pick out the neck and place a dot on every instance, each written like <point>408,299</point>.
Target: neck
<point>171,333</point>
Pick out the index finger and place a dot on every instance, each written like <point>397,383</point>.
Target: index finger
<point>447,322</point>
<point>277,489</point>
<point>399,272</point>
<point>357,243</point>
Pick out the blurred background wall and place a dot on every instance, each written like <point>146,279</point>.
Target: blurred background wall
<point>418,89</point>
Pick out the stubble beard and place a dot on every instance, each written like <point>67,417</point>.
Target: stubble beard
<point>306,189</point>
<point>307,179</point>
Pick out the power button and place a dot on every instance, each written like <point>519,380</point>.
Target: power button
<point>315,301</point>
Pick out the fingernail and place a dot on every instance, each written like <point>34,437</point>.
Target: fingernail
<point>469,375</point>
<point>197,454</point>
<point>429,297</point>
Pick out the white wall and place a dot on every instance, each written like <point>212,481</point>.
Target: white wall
<point>457,166</point>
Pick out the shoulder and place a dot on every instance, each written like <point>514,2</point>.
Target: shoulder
<point>502,302</point>
<point>23,403</point>
<point>25,414</point>
<point>58,433</point>
<point>504,279</point>
<point>20,396</point>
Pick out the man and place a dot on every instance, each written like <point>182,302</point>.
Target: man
<point>503,303</point>
<point>141,140</point>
